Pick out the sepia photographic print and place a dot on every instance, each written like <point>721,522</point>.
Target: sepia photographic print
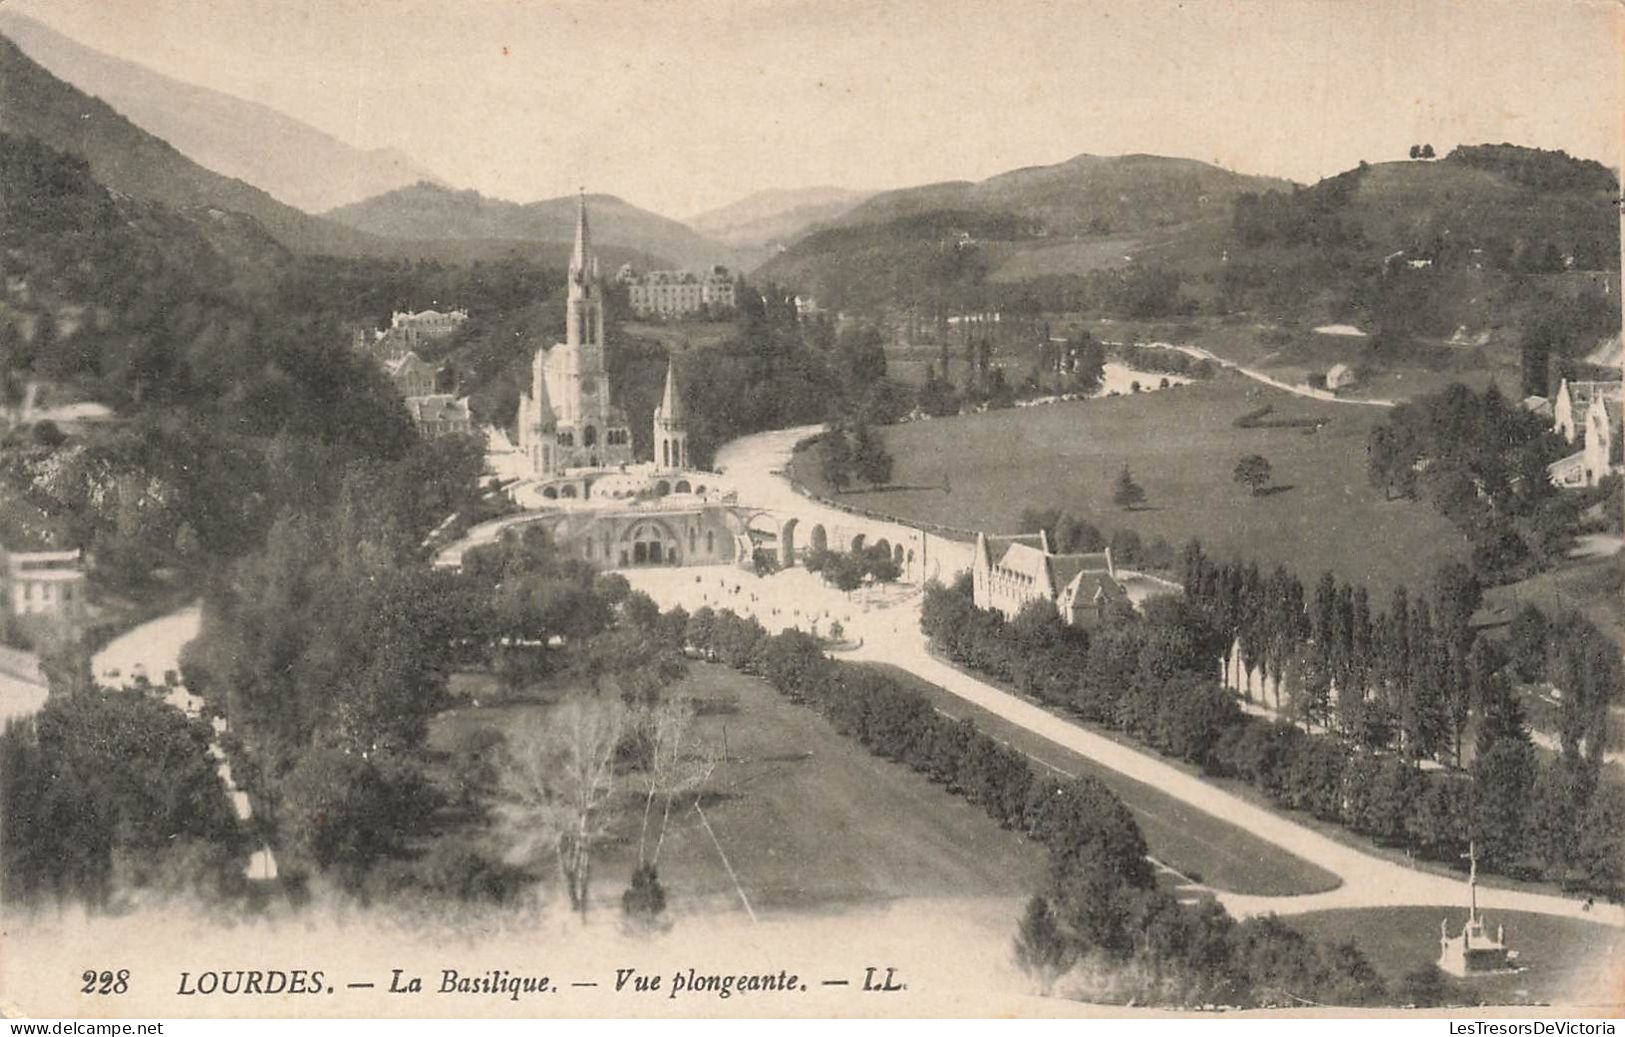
<point>775,508</point>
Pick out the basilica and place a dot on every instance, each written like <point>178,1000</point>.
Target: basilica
<point>569,418</point>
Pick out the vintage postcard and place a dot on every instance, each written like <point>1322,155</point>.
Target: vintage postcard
<point>766,508</point>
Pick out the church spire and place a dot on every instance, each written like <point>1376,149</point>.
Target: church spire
<point>671,431</point>
<point>581,257</point>
<point>671,404</point>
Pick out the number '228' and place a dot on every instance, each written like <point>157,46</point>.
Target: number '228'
<point>105,982</point>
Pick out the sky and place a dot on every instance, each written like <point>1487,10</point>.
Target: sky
<point>683,106</point>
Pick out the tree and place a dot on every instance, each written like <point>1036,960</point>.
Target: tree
<point>1126,493</point>
<point>1503,779</point>
<point>845,571</point>
<point>1253,472</point>
<point>937,396</point>
<point>100,778</point>
<point>1071,534</point>
<point>1526,643</point>
<point>672,765</point>
<point>627,662</point>
<point>1090,366</point>
<point>1456,596</point>
<point>346,814</point>
<point>645,899</point>
<point>557,781</point>
<point>1391,460</point>
<point>1599,853</point>
<point>869,457</point>
<point>1042,949</point>
<point>838,460</point>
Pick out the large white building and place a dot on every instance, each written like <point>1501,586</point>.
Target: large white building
<point>406,332</point>
<point>675,293</point>
<point>569,419</point>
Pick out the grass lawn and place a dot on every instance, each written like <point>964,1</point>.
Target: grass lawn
<point>1181,446</point>
<point>1195,843</point>
<point>807,819</point>
<point>1565,961</point>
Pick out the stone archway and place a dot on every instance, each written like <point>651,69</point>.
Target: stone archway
<point>551,493</point>
<point>682,487</point>
<point>567,490</point>
<point>857,543</point>
<point>884,545</point>
<point>662,488</point>
<point>897,555</point>
<point>652,543</point>
<point>820,538</point>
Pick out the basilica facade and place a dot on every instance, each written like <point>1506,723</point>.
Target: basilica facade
<point>569,419</point>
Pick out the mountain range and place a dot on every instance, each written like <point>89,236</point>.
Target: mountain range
<point>1086,194</point>
<point>1085,213</point>
<point>132,161</point>
<point>424,212</point>
<point>1482,226</point>
<point>419,221</point>
<point>293,162</point>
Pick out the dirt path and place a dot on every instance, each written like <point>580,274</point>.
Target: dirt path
<point>1259,376</point>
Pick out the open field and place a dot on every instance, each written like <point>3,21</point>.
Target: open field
<point>807,818</point>
<point>1566,962</point>
<point>1196,844</point>
<point>1181,446</point>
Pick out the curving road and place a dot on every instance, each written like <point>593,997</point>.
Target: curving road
<point>1259,376</point>
<point>890,633</point>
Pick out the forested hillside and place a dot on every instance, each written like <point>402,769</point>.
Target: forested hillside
<point>942,244</point>
<point>219,351</point>
<point>1492,242</point>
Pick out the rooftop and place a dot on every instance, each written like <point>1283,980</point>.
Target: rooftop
<point>439,407</point>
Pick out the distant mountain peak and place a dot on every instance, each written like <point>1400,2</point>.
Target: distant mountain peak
<point>426,211</point>
<point>288,159</point>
